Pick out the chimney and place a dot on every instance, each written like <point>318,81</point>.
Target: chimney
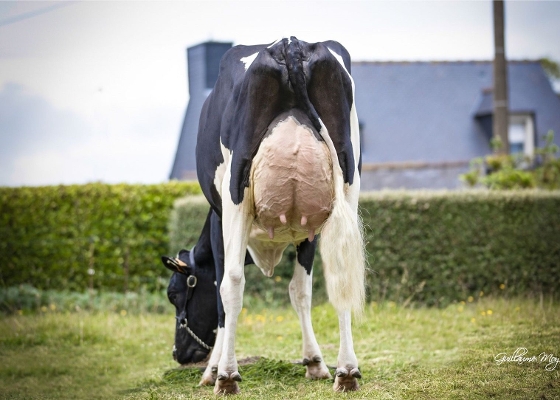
<point>203,61</point>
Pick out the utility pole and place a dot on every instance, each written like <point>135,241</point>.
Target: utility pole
<point>500,119</point>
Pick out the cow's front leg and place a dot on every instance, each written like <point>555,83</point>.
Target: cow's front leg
<point>209,375</point>
<point>217,243</point>
<point>236,223</point>
<point>347,372</point>
<point>232,296</point>
<point>300,295</point>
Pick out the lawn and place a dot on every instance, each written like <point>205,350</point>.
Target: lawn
<point>409,352</point>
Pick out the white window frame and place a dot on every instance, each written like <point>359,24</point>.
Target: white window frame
<point>526,120</point>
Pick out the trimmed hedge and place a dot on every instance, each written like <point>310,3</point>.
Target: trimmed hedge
<point>431,247</point>
<point>25,299</point>
<point>51,236</point>
<point>439,247</point>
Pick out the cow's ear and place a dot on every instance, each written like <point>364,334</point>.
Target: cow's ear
<point>175,265</point>
<point>184,256</point>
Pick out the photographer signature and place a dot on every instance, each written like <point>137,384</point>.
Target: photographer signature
<point>520,356</point>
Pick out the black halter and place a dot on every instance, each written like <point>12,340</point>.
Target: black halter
<point>192,281</point>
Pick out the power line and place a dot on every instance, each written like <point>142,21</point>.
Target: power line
<point>34,13</point>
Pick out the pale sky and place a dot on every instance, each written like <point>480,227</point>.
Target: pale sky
<point>96,91</point>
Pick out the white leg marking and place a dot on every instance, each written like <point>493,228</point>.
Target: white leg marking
<point>347,365</point>
<point>209,376</point>
<point>346,355</point>
<point>300,296</point>
<point>236,224</point>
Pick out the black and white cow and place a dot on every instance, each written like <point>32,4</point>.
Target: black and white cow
<point>278,158</point>
<point>193,291</point>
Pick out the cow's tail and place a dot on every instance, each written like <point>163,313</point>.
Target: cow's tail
<point>342,245</point>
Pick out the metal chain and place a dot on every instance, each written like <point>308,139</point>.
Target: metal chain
<point>198,340</point>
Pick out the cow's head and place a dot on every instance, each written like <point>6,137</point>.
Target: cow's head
<point>192,290</point>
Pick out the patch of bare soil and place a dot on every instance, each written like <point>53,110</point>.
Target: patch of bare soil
<point>203,364</point>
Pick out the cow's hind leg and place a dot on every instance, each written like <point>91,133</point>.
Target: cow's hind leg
<point>300,295</point>
<point>342,251</point>
<point>347,372</point>
<point>236,225</point>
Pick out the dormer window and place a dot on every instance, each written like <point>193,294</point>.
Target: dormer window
<point>521,134</point>
<point>521,130</point>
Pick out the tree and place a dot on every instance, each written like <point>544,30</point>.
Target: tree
<point>552,70</point>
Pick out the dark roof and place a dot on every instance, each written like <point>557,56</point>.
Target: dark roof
<point>486,105</point>
<point>203,62</point>
<point>184,165</point>
<point>426,111</point>
<point>420,111</point>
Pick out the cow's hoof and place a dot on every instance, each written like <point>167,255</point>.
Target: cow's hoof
<point>209,376</point>
<point>345,381</point>
<point>227,383</point>
<point>316,368</point>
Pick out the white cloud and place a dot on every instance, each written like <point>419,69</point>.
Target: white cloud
<point>41,144</point>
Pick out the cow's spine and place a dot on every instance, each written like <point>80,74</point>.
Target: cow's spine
<point>293,55</point>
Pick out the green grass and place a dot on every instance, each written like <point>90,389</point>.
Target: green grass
<point>405,353</point>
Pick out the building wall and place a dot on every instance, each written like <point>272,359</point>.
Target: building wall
<point>428,176</point>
